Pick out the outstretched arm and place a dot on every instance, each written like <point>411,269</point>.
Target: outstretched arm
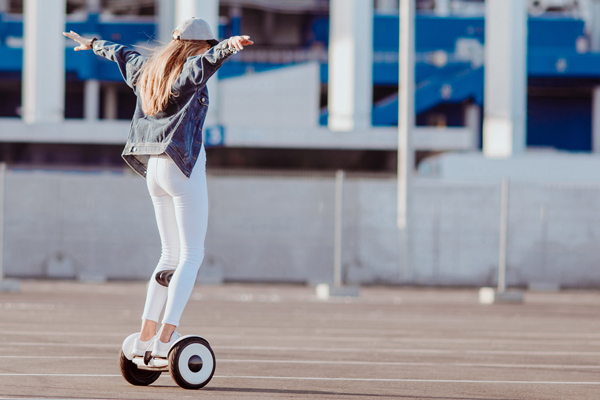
<point>212,60</point>
<point>130,62</point>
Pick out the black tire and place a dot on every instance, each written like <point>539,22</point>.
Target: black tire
<point>134,375</point>
<point>180,367</point>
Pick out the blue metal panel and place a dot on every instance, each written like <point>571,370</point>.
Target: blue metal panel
<point>554,32</point>
<point>550,40</point>
<point>385,33</point>
<point>466,84</point>
<point>562,62</point>
<point>236,26</point>
<point>318,31</point>
<point>435,33</point>
<point>10,59</point>
<point>385,112</point>
<point>10,25</point>
<point>563,123</point>
<point>456,88</point>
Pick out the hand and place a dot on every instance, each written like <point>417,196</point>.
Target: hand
<point>84,43</point>
<point>238,42</point>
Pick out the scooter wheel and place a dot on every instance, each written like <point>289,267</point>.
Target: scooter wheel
<point>134,375</point>
<point>192,363</point>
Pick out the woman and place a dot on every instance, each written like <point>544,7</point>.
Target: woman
<point>165,146</point>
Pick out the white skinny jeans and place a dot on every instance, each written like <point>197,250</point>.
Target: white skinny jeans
<point>181,208</point>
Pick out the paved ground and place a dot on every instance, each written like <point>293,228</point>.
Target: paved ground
<point>61,340</point>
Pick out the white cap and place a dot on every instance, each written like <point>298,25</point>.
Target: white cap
<point>194,29</point>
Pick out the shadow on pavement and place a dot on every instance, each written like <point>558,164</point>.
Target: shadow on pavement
<point>326,393</point>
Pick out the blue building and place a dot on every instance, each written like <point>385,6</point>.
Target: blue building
<point>563,67</point>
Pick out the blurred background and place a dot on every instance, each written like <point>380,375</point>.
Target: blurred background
<point>505,90</point>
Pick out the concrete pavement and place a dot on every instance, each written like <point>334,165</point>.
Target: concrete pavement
<point>60,339</point>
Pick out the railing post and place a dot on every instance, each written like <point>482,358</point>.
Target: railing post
<point>6,285</point>
<point>503,236</point>
<point>337,243</point>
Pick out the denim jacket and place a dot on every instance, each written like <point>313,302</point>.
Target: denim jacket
<point>176,131</point>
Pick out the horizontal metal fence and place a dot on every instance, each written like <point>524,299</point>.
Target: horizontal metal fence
<point>280,226</point>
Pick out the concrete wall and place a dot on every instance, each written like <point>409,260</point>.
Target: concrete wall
<point>280,98</point>
<point>280,228</point>
<point>547,166</point>
<point>61,224</point>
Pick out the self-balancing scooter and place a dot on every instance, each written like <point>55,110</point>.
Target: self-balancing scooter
<point>191,360</point>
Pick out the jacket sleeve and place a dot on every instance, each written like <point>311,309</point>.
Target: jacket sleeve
<point>130,62</point>
<point>208,63</point>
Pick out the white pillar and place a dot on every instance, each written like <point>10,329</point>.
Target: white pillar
<point>350,88</point>
<point>596,119</point>
<point>406,124</point>
<point>94,6</point>
<point>166,19</point>
<point>504,125</point>
<point>3,6</point>
<point>406,111</point>
<point>2,196</point>
<point>91,102</point>
<point>595,28</point>
<point>207,10</point>
<point>473,122</point>
<point>442,7</point>
<point>43,60</point>
<point>110,101</point>
<point>339,227</point>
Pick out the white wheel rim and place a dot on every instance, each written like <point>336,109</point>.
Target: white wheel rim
<point>208,363</point>
<point>127,346</point>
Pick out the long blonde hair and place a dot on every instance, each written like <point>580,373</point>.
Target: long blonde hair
<point>155,85</point>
